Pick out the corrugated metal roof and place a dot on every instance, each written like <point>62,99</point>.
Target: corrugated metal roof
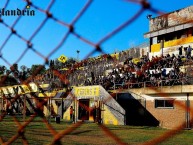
<point>59,94</point>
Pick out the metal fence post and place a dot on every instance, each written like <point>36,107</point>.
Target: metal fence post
<point>144,84</point>
<point>1,107</point>
<point>24,108</point>
<point>49,111</point>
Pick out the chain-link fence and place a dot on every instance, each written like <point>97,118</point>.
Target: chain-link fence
<point>57,136</point>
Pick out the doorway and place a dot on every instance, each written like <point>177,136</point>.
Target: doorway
<point>136,112</point>
<point>83,109</point>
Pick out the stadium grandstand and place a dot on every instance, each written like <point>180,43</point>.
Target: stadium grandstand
<point>165,64</point>
<point>131,77</point>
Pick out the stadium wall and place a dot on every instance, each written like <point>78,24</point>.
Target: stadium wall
<point>169,117</point>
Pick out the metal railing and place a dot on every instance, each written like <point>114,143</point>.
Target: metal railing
<point>156,83</point>
<point>56,136</point>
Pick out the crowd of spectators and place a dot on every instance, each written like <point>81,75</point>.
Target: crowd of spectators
<point>120,70</point>
<point>164,70</point>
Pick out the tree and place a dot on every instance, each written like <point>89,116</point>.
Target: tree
<point>23,68</point>
<point>8,72</point>
<point>37,69</point>
<point>8,81</point>
<point>6,78</point>
<point>56,64</point>
<point>24,73</point>
<point>14,70</point>
<point>51,64</point>
<point>2,69</point>
<point>14,67</point>
<point>71,60</point>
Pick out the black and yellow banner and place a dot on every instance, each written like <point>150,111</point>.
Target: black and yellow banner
<point>62,58</point>
<point>87,91</point>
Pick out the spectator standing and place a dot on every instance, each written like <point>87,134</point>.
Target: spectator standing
<point>189,51</point>
<point>71,114</point>
<point>180,50</point>
<point>94,113</point>
<point>98,114</point>
<point>185,50</point>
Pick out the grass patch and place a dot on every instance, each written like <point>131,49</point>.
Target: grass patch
<point>37,133</point>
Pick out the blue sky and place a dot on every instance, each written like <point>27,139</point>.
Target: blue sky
<point>101,18</point>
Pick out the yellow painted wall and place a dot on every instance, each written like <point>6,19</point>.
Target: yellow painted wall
<point>155,47</point>
<point>108,117</point>
<point>47,94</point>
<point>55,107</point>
<point>46,111</point>
<point>66,115</point>
<point>178,41</point>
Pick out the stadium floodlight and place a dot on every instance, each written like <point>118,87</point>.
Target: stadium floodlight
<point>149,16</point>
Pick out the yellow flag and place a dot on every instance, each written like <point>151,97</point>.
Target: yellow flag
<point>62,58</point>
<point>115,55</point>
<point>136,60</point>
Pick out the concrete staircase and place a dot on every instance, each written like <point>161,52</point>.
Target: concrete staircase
<point>113,106</point>
<point>66,103</point>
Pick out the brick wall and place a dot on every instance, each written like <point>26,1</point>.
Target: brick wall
<point>168,118</point>
<point>191,113</point>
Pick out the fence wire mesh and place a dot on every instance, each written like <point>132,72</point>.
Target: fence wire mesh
<point>57,136</point>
